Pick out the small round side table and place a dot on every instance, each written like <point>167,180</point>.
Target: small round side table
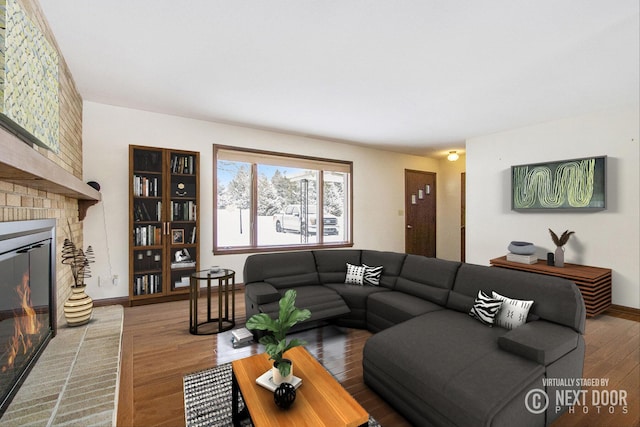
<point>226,288</point>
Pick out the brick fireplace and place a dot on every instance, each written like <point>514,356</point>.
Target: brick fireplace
<point>38,184</point>
<point>27,305</point>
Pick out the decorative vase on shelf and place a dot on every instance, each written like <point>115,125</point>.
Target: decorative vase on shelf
<point>560,242</point>
<point>79,307</point>
<point>558,259</point>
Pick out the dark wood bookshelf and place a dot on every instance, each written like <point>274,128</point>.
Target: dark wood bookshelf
<point>164,224</point>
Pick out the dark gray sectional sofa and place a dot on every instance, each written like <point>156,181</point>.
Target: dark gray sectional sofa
<point>428,357</point>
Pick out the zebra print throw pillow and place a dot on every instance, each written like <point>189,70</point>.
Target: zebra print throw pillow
<point>355,274</point>
<point>372,275</point>
<point>513,312</point>
<point>485,308</point>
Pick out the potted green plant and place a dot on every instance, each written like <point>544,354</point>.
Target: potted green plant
<point>276,343</point>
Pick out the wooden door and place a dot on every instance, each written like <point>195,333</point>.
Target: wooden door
<point>420,212</point>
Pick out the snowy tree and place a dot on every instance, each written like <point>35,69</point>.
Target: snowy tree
<point>239,188</point>
<point>285,189</point>
<point>269,203</point>
<point>334,198</point>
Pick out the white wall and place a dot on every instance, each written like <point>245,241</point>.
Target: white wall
<point>449,205</point>
<point>107,131</point>
<point>607,238</point>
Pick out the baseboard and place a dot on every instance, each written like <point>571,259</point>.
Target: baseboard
<point>623,312</point>
<point>123,301</point>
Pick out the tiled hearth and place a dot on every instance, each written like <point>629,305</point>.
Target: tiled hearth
<point>75,381</point>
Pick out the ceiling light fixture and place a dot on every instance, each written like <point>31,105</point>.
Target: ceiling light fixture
<point>453,156</point>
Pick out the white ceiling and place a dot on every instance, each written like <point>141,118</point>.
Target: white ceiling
<point>416,76</point>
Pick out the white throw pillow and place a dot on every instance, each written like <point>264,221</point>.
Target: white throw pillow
<point>513,312</point>
<point>355,275</point>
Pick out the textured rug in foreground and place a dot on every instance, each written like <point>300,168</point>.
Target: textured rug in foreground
<point>207,398</point>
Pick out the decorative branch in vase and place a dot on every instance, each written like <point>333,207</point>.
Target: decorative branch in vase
<point>78,260</point>
<point>560,242</point>
<point>79,307</point>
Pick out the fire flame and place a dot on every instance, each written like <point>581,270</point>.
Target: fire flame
<point>25,325</point>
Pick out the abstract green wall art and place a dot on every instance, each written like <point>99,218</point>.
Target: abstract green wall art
<point>29,102</point>
<point>578,184</point>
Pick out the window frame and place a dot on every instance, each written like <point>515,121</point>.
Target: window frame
<point>289,159</point>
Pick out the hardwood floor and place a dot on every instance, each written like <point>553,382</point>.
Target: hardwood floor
<point>157,351</point>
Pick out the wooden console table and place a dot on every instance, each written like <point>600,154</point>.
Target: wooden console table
<point>594,282</point>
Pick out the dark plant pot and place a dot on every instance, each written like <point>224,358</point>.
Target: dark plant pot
<point>284,395</point>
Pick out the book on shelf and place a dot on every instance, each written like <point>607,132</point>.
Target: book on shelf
<point>148,284</point>
<point>141,212</point>
<point>147,235</point>
<point>522,259</point>
<point>145,187</point>
<point>183,282</point>
<point>183,211</point>
<point>182,164</point>
<point>183,264</point>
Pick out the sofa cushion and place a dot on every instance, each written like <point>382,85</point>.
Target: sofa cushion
<point>542,342</point>
<point>324,303</point>
<point>392,262</point>
<point>427,278</point>
<point>460,302</point>
<point>281,269</point>
<point>557,300</point>
<point>262,293</point>
<point>331,264</point>
<point>513,312</point>
<point>356,298</point>
<point>386,309</point>
<point>451,364</point>
<point>286,282</point>
<point>485,308</point>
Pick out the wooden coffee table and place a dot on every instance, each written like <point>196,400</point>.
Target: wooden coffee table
<point>320,399</point>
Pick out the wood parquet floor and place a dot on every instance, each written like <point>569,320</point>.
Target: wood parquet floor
<point>157,351</point>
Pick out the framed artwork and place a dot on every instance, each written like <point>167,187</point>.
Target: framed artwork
<point>177,235</point>
<point>565,185</point>
<point>29,102</point>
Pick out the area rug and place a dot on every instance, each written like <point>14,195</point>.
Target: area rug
<point>207,399</point>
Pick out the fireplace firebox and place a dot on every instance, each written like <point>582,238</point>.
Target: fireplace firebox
<point>27,299</point>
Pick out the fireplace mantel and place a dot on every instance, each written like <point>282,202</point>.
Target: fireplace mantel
<point>21,164</point>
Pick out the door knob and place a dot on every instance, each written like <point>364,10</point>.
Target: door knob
<point>409,226</point>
